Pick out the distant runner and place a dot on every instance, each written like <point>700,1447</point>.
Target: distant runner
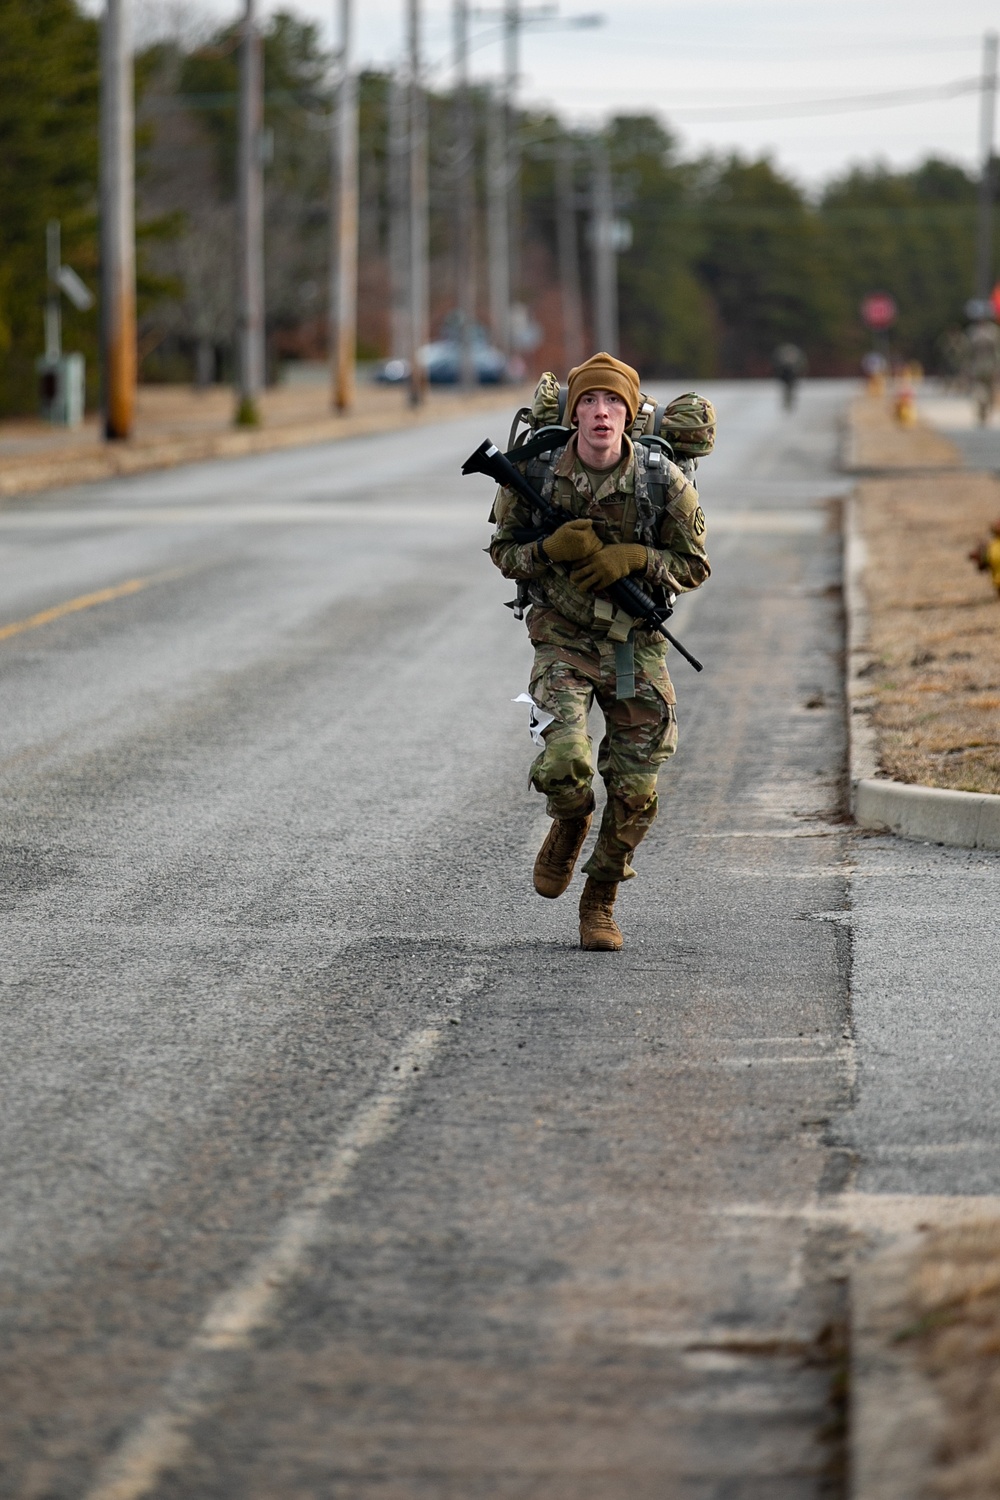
<point>790,365</point>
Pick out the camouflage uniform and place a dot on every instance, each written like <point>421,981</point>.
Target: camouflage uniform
<point>573,634</point>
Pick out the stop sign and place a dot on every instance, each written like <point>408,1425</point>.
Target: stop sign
<point>879,310</point>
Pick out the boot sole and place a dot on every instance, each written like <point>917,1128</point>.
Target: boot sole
<point>602,945</point>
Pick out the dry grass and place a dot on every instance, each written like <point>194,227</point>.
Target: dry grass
<point>879,441</point>
<point>955,1336</point>
<point>935,629</point>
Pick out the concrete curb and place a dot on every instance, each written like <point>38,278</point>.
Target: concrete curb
<point>967,820</point>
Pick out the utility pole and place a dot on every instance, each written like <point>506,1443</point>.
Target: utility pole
<point>503,173</point>
<point>605,259</point>
<point>344,224</point>
<point>250,326</point>
<point>465,203</point>
<point>419,225</point>
<point>498,220</point>
<point>569,257</point>
<point>119,358</point>
<point>512,22</point>
<point>399,217</point>
<point>987,117</point>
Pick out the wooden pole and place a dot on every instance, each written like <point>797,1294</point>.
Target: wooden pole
<point>498,222</point>
<point>119,357</point>
<point>465,203</point>
<point>987,120</point>
<point>399,216</point>
<point>419,225</point>
<point>250,330</point>
<point>569,256</point>
<point>512,23</point>
<point>344,217</point>
<point>605,259</point>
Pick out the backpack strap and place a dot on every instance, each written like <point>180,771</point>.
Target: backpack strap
<point>650,496</point>
<point>523,414</point>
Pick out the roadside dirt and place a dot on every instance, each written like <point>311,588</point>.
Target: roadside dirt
<point>176,424</point>
<point>876,440</point>
<point>934,619</point>
<point>955,1337</point>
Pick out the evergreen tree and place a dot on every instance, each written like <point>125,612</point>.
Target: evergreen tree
<point>764,262</point>
<point>48,170</point>
<point>912,234</point>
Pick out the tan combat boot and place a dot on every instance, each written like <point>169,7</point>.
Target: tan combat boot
<point>558,855</point>
<point>599,932</point>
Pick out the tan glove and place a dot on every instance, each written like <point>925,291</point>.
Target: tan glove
<point>609,565</point>
<point>573,541</point>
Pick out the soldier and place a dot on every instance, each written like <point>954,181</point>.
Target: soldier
<point>619,522</point>
<point>982,366</point>
<point>790,365</point>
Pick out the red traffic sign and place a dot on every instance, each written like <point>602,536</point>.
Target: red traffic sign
<point>879,310</point>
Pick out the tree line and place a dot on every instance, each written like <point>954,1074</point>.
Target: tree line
<point>729,256</point>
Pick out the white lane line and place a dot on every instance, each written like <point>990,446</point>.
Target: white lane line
<point>163,1436</point>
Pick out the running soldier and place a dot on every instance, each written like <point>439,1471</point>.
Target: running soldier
<point>620,522</point>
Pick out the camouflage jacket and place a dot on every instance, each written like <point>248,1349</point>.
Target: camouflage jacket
<point>632,505</point>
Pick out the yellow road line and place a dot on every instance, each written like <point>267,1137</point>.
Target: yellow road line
<point>85,601</point>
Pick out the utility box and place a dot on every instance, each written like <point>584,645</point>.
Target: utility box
<point>61,389</point>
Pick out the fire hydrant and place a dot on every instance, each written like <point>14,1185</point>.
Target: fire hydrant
<point>987,556</point>
<point>906,408</point>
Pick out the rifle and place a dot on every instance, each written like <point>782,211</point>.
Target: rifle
<point>626,593</point>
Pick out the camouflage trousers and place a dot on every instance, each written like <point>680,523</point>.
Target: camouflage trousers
<point>640,734</point>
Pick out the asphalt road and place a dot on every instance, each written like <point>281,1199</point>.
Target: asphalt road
<point>332,1167</point>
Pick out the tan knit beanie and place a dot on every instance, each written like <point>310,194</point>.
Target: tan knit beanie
<point>602,372</point>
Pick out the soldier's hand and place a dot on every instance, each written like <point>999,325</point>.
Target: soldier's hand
<point>609,565</point>
<point>573,541</point>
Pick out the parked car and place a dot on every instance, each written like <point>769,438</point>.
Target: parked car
<point>442,360</point>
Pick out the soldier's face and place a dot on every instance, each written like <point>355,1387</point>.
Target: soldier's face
<point>601,417</point>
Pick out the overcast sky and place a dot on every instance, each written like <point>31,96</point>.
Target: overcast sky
<point>695,64</point>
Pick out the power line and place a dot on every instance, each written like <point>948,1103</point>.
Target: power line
<point>845,104</point>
